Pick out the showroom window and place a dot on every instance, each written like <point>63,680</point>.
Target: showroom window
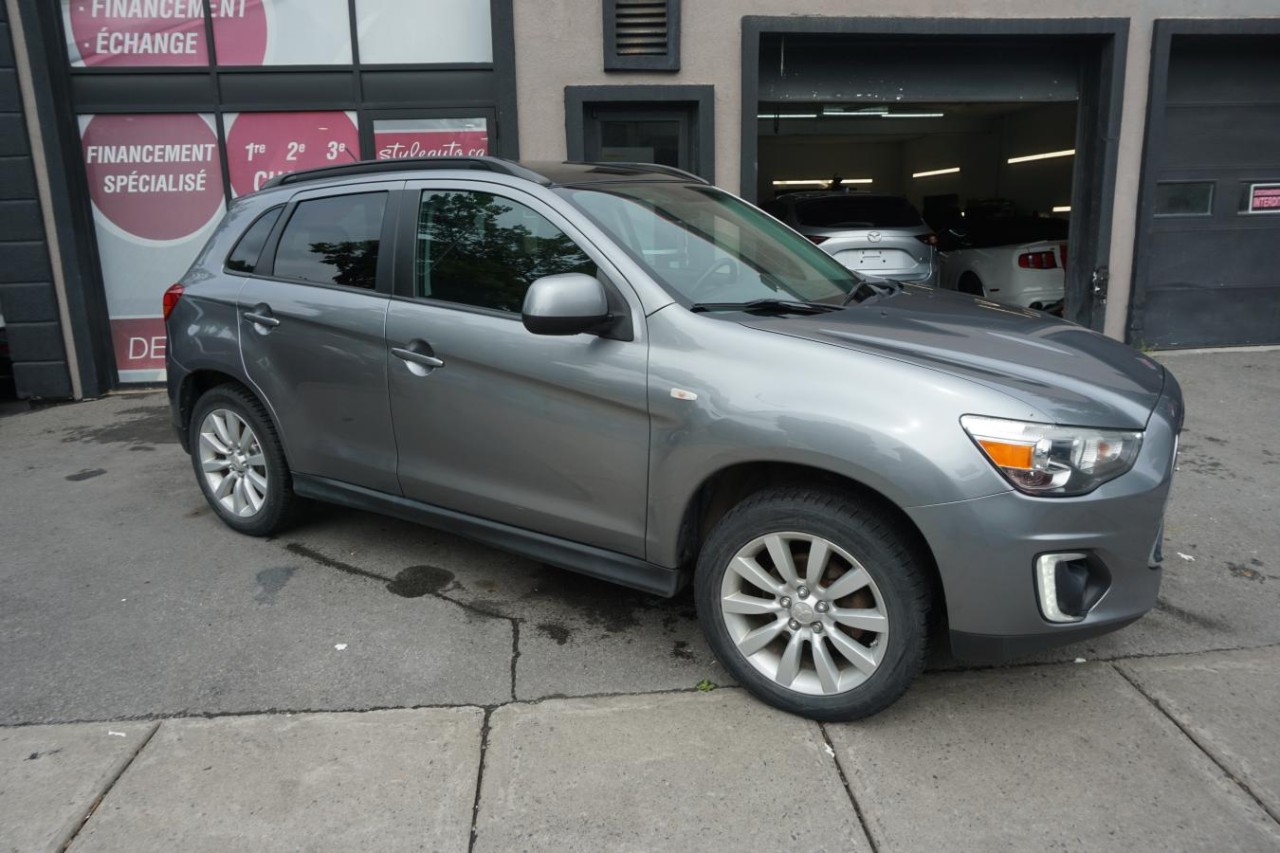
<point>405,31</point>
<point>179,114</point>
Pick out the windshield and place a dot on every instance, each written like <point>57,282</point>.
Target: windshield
<point>703,245</point>
<point>857,211</point>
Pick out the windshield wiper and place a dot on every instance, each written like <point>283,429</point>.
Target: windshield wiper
<point>779,306</point>
<point>879,287</point>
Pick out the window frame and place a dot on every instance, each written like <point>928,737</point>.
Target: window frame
<point>622,304</point>
<point>386,240</point>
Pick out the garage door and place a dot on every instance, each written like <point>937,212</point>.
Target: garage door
<point>1208,269</point>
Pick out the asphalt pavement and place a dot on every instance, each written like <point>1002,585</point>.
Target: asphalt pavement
<point>362,682</point>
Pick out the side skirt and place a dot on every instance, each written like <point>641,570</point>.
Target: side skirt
<point>584,559</point>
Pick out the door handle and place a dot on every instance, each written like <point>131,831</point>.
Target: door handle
<point>418,358</point>
<point>261,319</point>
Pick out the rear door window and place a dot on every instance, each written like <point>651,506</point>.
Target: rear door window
<point>854,211</point>
<point>333,241</point>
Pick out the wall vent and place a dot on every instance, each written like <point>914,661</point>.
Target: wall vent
<point>642,35</point>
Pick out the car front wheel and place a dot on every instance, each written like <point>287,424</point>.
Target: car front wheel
<point>816,602</point>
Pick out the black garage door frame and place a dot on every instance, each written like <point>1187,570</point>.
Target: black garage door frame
<point>1165,30</point>
<point>1098,125</point>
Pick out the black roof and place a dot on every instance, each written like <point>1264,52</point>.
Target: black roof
<point>545,173</point>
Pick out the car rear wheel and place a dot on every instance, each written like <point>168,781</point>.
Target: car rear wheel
<point>970,283</point>
<point>815,602</point>
<point>239,462</point>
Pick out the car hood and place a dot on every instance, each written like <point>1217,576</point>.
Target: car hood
<point>1069,374</point>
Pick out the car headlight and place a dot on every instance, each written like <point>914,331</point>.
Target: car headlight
<point>1042,459</point>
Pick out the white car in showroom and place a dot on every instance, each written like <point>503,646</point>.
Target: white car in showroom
<point>1018,260</point>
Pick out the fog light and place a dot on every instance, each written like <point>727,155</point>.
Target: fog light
<point>1063,585</point>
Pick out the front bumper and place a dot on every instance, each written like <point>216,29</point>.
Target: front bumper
<point>986,549</point>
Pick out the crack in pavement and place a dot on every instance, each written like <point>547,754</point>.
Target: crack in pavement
<point>398,584</point>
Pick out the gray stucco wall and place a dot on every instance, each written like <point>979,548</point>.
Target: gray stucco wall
<point>27,298</point>
<point>560,43</point>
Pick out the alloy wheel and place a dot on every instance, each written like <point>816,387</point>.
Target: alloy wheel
<point>804,613</point>
<point>234,466</point>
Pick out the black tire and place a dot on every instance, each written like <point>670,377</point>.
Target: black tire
<point>280,507</point>
<point>885,550</point>
<point>971,284</point>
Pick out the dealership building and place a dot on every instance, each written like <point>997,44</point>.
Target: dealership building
<point>128,126</point>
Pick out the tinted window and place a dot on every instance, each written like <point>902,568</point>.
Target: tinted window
<point>854,211</point>
<point>333,241</point>
<point>484,250</point>
<point>244,257</point>
<point>1184,198</point>
<point>1011,230</point>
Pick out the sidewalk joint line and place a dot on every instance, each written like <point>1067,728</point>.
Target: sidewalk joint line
<point>1168,714</point>
<point>111,783</point>
<point>484,751</point>
<point>844,780</point>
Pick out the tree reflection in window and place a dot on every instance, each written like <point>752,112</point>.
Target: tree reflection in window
<point>355,262</point>
<point>333,241</point>
<point>483,250</point>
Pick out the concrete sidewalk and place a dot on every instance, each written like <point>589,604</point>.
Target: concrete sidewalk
<point>1165,753</point>
<point>363,683</point>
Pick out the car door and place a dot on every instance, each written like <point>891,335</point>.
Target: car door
<point>550,434</point>
<point>312,317</point>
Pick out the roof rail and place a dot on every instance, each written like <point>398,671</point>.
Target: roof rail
<point>646,167</point>
<point>368,167</point>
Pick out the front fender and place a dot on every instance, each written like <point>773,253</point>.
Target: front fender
<point>766,398</point>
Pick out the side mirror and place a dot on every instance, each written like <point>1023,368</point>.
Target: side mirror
<point>567,304</point>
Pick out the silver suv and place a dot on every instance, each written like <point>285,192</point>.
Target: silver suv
<point>877,235</point>
<point>628,373</point>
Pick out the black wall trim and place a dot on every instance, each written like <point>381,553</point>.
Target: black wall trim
<point>1164,32</point>
<point>502,20</point>
<point>614,61</point>
<point>1109,36</point>
<point>702,98</point>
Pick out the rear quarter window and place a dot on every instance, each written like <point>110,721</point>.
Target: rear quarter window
<point>244,257</point>
<point>853,211</point>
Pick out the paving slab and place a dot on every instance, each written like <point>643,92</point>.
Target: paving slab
<point>1040,758</point>
<point>1227,702</point>
<point>714,771</point>
<point>382,780</point>
<point>50,777</point>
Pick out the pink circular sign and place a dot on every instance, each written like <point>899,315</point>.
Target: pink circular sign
<point>239,32</point>
<point>154,176</point>
<point>128,33</point>
<point>263,145</point>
